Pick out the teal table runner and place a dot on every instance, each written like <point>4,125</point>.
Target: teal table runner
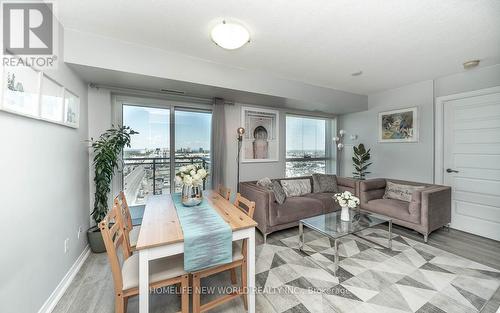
<point>207,237</point>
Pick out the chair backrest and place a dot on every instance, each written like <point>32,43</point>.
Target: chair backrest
<point>224,191</point>
<point>247,207</point>
<point>113,236</point>
<point>121,205</point>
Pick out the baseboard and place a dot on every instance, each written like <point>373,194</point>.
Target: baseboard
<point>56,295</point>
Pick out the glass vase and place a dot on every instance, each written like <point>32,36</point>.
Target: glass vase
<point>191,195</point>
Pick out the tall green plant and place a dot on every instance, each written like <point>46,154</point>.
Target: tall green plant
<point>360,159</point>
<point>107,149</point>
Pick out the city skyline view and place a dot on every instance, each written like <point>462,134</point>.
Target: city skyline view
<point>305,136</point>
<point>153,125</point>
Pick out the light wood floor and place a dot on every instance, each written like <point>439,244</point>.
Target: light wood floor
<point>92,289</point>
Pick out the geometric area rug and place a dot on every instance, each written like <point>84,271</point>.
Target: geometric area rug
<point>410,277</point>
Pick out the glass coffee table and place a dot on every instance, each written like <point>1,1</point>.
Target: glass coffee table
<point>332,226</point>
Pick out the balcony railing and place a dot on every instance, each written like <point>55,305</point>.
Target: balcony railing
<point>146,175</point>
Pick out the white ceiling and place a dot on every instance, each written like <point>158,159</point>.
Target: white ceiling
<point>320,42</point>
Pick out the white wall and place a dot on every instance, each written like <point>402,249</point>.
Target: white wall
<point>394,160</point>
<point>411,161</point>
<point>44,193</point>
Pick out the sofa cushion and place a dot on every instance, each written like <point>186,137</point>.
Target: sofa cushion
<point>297,208</point>
<point>400,191</point>
<point>279,193</point>
<point>296,187</point>
<point>324,183</point>
<point>327,199</point>
<point>265,182</point>
<point>398,209</point>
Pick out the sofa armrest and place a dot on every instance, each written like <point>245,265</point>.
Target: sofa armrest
<point>435,206</point>
<point>371,189</point>
<point>264,203</point>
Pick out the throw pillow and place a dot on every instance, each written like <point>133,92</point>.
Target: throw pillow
<point>279,194</point>
<point>324,183</point>
<point>400,191</point>
<point>265,182</point>
<point>296,187</point>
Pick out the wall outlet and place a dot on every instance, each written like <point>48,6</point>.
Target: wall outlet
<point>79,232</point>
<point>66,245</point>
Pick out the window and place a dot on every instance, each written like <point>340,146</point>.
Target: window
<point>148,168</point>
<point>306,146</point>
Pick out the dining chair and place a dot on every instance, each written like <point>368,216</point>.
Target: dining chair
<point>239,261</point>
<point>224,191</point>
<point>131,232</point>
<point>162,272</point>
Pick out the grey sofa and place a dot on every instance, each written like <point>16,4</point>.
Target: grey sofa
<point>272,216</point>
<point>429,209</point>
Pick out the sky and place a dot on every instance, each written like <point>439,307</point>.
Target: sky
<point>192,129</point>
<point>305,133</point>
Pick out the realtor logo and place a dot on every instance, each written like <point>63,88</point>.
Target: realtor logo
<point>28,28</point>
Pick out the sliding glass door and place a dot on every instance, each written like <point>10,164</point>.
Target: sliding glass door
<point>147,162</point>
<point>165,133</point>
<point>192,139</point>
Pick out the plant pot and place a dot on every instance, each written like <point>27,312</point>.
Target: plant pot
<point>344,214</point>
<point>95,240</point>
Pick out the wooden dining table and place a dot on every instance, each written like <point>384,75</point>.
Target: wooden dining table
<point>161,236</point>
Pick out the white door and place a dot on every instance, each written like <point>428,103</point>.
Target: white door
<point>471,162</point>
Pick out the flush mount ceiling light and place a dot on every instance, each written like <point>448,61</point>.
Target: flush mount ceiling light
<point>230,35</point>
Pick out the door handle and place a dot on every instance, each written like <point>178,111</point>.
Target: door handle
<point>449,170</point>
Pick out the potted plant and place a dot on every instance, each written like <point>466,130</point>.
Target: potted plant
<point>107,150</point>
<point>359,160</point>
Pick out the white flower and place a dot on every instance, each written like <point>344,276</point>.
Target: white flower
<point>178,180</point>
<point>351,203</point>
<point>342,203</point>
<point>192,173</point>
<point>188,181</point>
<point>202,172</point>
<point>191,167</point>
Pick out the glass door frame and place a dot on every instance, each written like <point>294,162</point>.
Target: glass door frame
<point>171,105</point>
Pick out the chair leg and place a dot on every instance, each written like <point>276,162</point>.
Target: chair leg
<point>196,294</point>
<point>185,294</point>
<point>125,304</point>
<point>234,280</point>
<point>119,304</point>
<point>244,283</point>
<point>426,236</point>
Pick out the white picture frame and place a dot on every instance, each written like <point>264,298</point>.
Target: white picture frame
<point>71,109</point>
<point>21,91</point>
<point>261,139</point>
<point>51,100</point>
<point>398,126</point>
<point>47,100</point>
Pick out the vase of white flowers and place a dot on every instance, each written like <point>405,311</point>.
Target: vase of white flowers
<point>191,178</point>
<point>347,201</point>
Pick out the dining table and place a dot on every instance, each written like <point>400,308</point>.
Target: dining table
<point>161,236</point>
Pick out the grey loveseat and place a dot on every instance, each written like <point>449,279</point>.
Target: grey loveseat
<point>272,216</point>
<point>428,210</point>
